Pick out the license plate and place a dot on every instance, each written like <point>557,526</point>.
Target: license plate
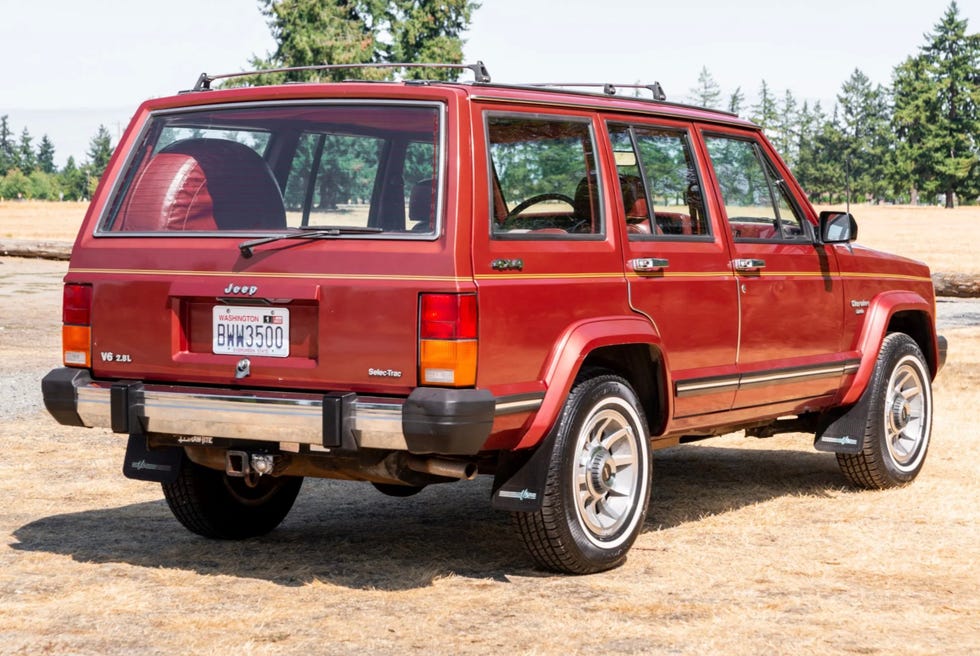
<point>241,330</point>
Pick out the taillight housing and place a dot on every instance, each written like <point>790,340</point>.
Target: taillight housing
<point>447,340</point>
<point>76,333</point>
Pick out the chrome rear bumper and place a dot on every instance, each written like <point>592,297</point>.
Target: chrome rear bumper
<point>428,421</point>
<point>282,417</point>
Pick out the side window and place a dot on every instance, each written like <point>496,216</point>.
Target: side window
<point>659,182</point>
<point>542,177</point>
<point>756,201</point>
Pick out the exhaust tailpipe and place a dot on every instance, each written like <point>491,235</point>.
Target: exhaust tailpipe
<point>440,467</point>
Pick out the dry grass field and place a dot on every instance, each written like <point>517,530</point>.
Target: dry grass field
<point>40,220</point>
<point>944,239</point>
<point>751,546</point>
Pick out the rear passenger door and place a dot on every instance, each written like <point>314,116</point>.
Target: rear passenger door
<point>790,293</point>
<point>543,256</point>
<point>677,262</point>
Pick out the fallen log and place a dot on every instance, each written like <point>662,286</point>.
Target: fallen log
<point>959,285</point>
<point>45,250</point>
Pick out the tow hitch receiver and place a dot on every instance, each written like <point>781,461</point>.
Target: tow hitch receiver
<point>241,464</point>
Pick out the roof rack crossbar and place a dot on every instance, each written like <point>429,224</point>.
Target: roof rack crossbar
<point>480,73</point>
<point>655,89</point>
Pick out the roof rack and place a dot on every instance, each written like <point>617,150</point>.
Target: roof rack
<point>480,73</point>
<point>655,89</point>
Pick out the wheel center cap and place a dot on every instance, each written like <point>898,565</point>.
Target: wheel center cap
<point>602,473</point>
<point>901,413</point>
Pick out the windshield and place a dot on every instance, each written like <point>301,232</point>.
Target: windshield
<point>370,167</point>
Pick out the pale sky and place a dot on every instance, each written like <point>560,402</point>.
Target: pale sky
<point>60,57</point>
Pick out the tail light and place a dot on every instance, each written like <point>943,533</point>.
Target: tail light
<point>76,333</point>
<point>447,340</point>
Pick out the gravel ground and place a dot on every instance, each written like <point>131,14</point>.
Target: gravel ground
<point>957,313</point>
<point>30,328</point>
<point>30,331</point>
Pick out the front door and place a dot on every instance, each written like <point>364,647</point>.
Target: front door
<point>789,289</point>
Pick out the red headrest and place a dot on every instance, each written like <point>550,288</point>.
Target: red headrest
<point>204,184</point>
<point>171,193</point>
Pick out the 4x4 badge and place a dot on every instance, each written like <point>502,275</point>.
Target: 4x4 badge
<point>503,264</point>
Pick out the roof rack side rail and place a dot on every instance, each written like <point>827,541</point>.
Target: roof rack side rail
<point>480,73</point>
<point>655,89</point>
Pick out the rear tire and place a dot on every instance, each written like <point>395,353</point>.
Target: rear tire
<point>598,483</point>
<point>211,503</point>
<point>899,421</point>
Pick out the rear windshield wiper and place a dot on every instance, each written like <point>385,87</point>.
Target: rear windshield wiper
<point>307,232</point>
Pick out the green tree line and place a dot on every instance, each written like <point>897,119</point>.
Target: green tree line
<point>28,172</point>
<point>915,141</point>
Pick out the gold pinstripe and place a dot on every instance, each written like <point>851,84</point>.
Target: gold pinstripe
<point>549,276</point>
<point>247,274</point>
<point>503,276</point>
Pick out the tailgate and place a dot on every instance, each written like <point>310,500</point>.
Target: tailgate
<point>352,326</point>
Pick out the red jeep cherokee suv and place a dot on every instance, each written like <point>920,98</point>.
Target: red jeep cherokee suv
<point>417,282</point>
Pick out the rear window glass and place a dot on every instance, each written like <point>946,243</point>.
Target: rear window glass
<point>371,168</point>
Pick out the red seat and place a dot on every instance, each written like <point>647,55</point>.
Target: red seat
<point>203,184</point>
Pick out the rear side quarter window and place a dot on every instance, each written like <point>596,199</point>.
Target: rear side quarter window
<point>543,178</point>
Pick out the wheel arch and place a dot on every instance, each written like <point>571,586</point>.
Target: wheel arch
<point>918,325</point>
<point>628,346</point>
<point>888,312</point>
<point>642,366</point>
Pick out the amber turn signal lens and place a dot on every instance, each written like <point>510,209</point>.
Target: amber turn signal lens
<point>76,345</point>
<point>448,363</point>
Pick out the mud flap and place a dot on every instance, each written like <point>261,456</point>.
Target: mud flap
<point>160,465</point>
<point>843,431</point>
<point>520,485</point>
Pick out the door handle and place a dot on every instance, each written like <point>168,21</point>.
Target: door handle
<point>649,263</point>
<point>748,264</point>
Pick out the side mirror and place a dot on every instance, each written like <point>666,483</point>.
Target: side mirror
<point>837,227</point>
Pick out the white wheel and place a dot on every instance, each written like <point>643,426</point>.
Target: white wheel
<point>598,483</point>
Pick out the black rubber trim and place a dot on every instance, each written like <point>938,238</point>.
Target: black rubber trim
<point>126,407</point>
<point>943,345</point>
<point>337,422</point>
<point>447,421</point>
<point>60,396</point>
